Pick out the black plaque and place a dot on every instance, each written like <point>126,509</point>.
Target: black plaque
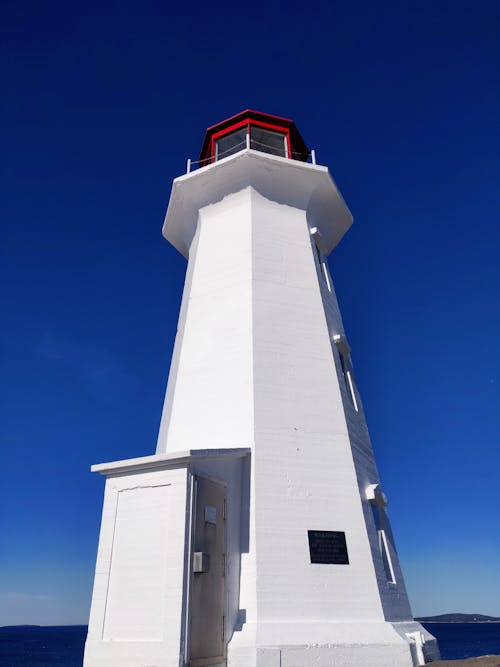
<point>328,546</point>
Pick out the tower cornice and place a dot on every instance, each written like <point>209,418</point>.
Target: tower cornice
<point>290,182</point>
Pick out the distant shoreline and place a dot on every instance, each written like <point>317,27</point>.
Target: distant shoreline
<point>450,619</point>
<point>458,618</point>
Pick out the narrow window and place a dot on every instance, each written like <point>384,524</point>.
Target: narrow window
<point>344,351</point>
<point>348,380</point>
<point>351,389</point>
<point>326,274</point>
<point>324,267</point>
<point>377,503</point>
<point>386,557</point>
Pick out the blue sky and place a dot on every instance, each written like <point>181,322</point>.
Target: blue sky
<point>101,105</point>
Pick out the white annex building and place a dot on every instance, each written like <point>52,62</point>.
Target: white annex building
<point>257,535</point>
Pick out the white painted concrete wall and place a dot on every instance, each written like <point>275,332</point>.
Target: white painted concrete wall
<point>209,400</point>
<point>305,476</point>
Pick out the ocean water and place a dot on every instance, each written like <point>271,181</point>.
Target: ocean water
<point>63,646</point>
<point>42,646</point>
<point>466,640</point>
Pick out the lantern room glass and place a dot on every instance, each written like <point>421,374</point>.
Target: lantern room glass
<point>231,143</point>
<point>268,141</point>
<point>261,139</point>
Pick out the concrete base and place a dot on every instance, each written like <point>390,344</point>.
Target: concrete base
<point>130,654</point>
<point>349,645</point>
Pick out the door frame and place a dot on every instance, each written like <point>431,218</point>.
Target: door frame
<point>192,478</point>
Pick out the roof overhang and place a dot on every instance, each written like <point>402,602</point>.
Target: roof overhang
<point>290,182</point>
<point>175,459</point>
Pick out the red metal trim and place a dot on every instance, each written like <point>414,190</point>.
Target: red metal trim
<point>230,128</point>
<point>248,113</point>
<point>221,133</point>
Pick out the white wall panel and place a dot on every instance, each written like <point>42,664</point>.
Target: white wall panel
<point>135,609</point>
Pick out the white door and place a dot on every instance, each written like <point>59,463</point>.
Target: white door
<point>207,589</point>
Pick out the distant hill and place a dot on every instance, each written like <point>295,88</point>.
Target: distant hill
<point>460,618</point>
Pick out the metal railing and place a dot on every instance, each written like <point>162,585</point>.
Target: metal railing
<point>247,144</point>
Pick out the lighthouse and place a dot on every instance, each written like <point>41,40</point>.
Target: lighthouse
<point>258,533</point>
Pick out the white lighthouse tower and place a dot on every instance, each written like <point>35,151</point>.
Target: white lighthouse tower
<point>257,535</point>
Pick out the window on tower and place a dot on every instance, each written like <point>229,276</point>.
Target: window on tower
<point>378,502</point>
<point>346,366</point>
<point>268,141</point>
<point>261,139</point>
<point>350,384</point>
<point>386,557</point>
<point>231,143</point>
<point>322,263</point>
<point>348,380</point>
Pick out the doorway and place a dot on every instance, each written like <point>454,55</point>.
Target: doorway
<point>207,577</point>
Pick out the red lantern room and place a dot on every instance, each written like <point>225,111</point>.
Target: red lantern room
<point>258,131</point>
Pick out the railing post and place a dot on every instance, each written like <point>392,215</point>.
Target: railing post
<point>248,141</point>
<point>188,166</point>
<point>313,156</point>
